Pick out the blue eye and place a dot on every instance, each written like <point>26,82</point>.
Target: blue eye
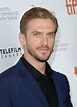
<point>37,34</point>
<point>51,34</point>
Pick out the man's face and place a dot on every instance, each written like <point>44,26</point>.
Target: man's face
<point>40,37</point>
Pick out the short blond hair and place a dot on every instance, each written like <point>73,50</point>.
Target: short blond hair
<point>34,13</point>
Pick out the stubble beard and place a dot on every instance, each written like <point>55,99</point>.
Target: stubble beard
<point>37,57</point>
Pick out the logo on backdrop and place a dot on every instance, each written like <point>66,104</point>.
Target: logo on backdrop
<point>7,14</point>
<point>60,46</point>
<point>71,6</point>
<point>10,52</point>
<point>75,70</point>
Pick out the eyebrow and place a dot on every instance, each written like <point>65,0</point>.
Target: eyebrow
<point>41,32</point>
<point>36,32</point>
<point>52,32</point>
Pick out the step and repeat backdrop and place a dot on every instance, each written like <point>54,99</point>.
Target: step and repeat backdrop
<point>64,57</point>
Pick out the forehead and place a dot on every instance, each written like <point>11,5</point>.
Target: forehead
<point>41,24</point>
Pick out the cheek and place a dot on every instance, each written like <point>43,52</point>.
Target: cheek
<point>32,43</point>
<point>51,42</point>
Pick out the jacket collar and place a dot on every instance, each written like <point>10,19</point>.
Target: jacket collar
<point>30,82</point>
<point>33,87</point>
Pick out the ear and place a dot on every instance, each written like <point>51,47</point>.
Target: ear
<point>22,39</point>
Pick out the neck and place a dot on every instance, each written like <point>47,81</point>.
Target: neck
<point>40,66</point>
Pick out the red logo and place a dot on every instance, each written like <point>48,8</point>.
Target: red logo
<point>75,68</point>
<point>71,6</point>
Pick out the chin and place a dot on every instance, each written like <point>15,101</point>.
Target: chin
<point>42,60</point>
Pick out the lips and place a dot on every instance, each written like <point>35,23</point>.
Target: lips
<point>43,50</point>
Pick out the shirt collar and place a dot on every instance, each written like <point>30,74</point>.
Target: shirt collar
<point>36,74</point>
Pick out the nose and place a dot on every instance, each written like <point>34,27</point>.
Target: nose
<point>44,40</point>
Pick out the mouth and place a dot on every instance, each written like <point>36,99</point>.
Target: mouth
<point>43,49</point>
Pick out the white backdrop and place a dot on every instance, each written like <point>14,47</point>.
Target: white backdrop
<point>64,58</point>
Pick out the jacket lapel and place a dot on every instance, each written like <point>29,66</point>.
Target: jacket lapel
<point>31,84</point>
<point>33,87</point>
<point>35,90</point>
<point>58,88</point>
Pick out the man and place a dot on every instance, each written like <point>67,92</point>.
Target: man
<point>32,82</point>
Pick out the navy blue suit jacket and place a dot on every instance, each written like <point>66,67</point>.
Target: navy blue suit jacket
<point>19,89</point>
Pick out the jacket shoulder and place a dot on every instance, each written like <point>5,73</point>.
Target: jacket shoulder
<point>11,73</point>
<point>62,78</point>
